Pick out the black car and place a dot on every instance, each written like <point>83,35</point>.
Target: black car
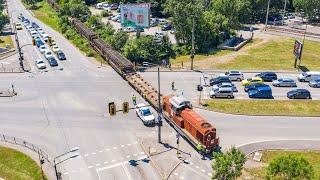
<point>299,94</point>
<point>219,79</point>
<point>52,61</point>
<point>254,86</point>
<point>34,25</point>
<point>267,76</point>
<point>61,55</point>
<point>166,27</point>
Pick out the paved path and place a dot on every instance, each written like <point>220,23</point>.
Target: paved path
<point>280,144</point>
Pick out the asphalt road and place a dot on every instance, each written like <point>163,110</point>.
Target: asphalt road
<point>186,84</point>
<point>61,109</point>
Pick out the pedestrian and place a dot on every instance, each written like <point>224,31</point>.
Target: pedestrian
<point>134,99</point>
<point>12,86</point>
<point>172,85</point>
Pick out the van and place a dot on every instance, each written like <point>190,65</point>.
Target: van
<point>309,75</point>
<point>222,93</point>
<point>263,92</point>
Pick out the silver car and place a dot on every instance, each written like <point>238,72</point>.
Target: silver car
<point>284,82</point>
<point>225,85</point>
<point>315,83</point>
<point>222,93</point>
<point>235,75</point>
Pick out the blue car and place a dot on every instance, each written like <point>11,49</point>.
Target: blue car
<point>264,92</point>
<point>254,86</point>
<point>39,42</point>
<point>299,94</point>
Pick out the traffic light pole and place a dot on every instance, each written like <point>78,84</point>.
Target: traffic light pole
<point>159,108</point>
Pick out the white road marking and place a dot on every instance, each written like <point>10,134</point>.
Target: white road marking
<point>101,151</point>
<point>126,171</point>
<point>90,167</point>
<point>203,170</point>
<point>142,152</point>
<point>128,156</point>
<point>118,164</point>
<point>197,167</point>
<point>176,174</point>
<point>113,160</point>
<point>98,164</point>
<point>66,173</point>
<point>114,147</point>
<point>128,144</point>
<point>107,149</point>
<point>122,145</point>
<point>106,162</point>
<point>181,177</point>
<point>136,142</point>
<point>86,155</point>
<point>135,154</point>
<point>93,153</point>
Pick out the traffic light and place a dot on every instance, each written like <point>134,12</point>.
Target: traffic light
<point>112,109</point>
<point>125,107</point>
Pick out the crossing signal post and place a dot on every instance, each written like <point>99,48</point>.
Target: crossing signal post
<point>112,108</point>
<point>125,107</point>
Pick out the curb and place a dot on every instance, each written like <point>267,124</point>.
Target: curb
<point>221,71</point>
<point>262,115</point>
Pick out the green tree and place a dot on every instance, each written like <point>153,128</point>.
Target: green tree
<point>4,19</point>
<point>119,39</point>
<point>291,167</point>
<point>310,7</point>
<point>228,166</point>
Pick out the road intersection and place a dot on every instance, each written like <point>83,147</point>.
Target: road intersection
<point>64,108</point>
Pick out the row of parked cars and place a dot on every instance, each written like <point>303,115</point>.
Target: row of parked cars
<point>39,39</point>
<point>255,87</point>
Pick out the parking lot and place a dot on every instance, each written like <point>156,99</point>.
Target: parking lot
<point>186,84</point>
<point>147,31</point>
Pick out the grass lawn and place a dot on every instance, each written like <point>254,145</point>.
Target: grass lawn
<point>265,107</point>
<point>275,55</point>
<point>16,165</point>
<point>4,40</point>
<point>312,156</point>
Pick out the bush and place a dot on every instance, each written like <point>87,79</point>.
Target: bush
<point>105,13</point>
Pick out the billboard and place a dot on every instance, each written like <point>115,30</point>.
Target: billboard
<point>297,50</point>
<point>136,15</point>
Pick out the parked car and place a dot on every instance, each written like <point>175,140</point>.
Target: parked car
<point>114,6</point>
<point>219,79</point>
<point>309,75</point>
<point>45,37</point>
<point>34,34</point>
<point>263,92</point>
<point>18,26</point>
<point>34,25</point>
<point>145,114</point>
<point>314,83</point>
<point>254,86</point>
<point>154,22</point>
<point>116,17</point>
<point>43,49</point>
<point>129,29</point>
<point>225,85</point>
<point>267,76</point>
<point>39,29</point>
<point>40,64</point>
<point>52,61</point>
<point>253,80</point>
<point>166,27</point>
<point>222,93</point>
<point>299,94</point>
<point>235,75</point>
<point>284,82</point>
<point>61,55</point>
<point>55,48</point>
<point>163,21</point>
<point>48,54</point>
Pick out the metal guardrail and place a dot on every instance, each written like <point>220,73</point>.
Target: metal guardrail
<point>23,143</point>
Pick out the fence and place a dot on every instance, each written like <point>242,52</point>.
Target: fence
<point>21,142</point>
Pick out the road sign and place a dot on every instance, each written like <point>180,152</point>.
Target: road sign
<point>112,108</point>
<point>125,107</point>
<point>136,15</point>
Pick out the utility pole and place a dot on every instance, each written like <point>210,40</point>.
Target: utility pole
<point>284,11</point>
<point>304,38</point>
<point>267,15</point>
<point>159,108</point>
<point>192,43</point>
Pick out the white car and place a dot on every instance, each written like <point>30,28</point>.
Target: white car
<point>115,18</point>
<point>43,49</point>
<point>55,48</point>
<point>40,64</point>
<point>39,29</point>
<point>45,37</point>
<point>34,34</point>
<point>41,33</point>
<point>48,54</point>
<point>129,29</point>
<point>145,114</point>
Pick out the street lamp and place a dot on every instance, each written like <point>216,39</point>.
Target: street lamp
<point>70,157</point>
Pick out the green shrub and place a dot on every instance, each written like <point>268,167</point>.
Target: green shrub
<point>105,13</point>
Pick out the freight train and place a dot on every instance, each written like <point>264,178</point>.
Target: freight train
<point>176,110</point>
